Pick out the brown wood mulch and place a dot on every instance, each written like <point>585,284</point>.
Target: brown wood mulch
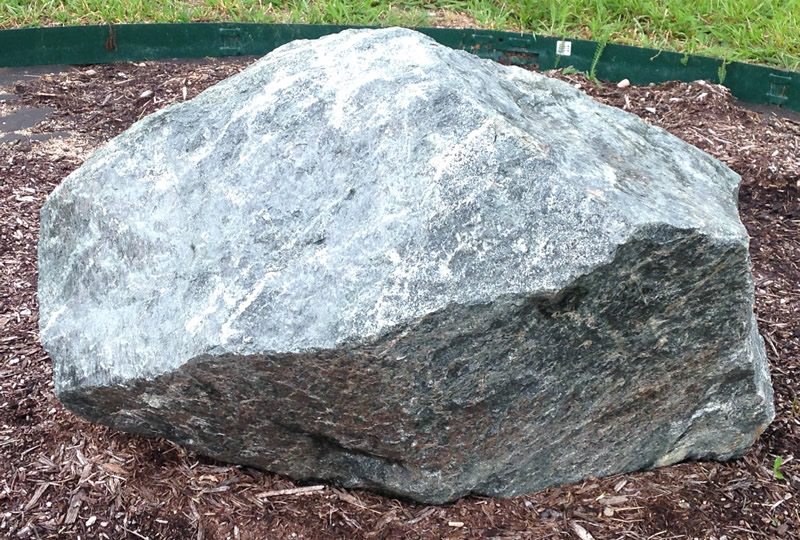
<point>61,477</point>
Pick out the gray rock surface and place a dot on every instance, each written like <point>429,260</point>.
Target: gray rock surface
<point>374,260</point>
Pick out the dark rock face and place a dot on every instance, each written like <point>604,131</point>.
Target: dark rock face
<point>374,260</point>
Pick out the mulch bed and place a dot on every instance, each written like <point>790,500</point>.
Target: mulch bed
<point>61,477</point>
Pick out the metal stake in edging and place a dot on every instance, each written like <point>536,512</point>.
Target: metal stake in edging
<point>778,88</point>
<point>231,41</point>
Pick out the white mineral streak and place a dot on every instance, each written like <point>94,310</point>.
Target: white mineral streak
<point>227,332</point>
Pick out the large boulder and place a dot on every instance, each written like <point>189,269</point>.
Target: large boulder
<point>378,261</point>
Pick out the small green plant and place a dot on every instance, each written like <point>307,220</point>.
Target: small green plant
<point>598,52</point>
<point>685,58</point>
<point>570,70</point>
<point>722,71</point>
<point>776,466</point>
<point>795,410</point>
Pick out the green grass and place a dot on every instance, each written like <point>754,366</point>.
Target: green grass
<point>757,31</point>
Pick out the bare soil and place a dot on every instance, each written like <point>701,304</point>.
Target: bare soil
<point>61,477</point>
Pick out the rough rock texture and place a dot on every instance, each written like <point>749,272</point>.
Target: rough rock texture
<point>375,260</point>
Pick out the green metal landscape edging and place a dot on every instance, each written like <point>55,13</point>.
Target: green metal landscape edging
<point>610,62</point>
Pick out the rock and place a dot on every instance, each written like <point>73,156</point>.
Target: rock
<point>624,83</point>
<point>374,260</point>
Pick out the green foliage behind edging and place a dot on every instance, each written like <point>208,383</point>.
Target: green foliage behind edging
<point>756,31</point>
<point>611,62</point>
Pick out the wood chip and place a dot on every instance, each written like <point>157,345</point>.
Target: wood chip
<point>345,496</point>
<point>582,533</point>
<point>293,491</point>
<point>385,519</point>
<point>113,468</point>
<point>614,500</point>
<point>73,508</point>
<point>422,515</point>
<point>36,496</point>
